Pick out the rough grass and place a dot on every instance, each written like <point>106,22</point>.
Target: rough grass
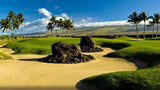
<point>4,56</point>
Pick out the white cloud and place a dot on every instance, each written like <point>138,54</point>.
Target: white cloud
<point>33,24</point>
<point>65,16</point>
<point>83,20</point>
<point>43,21</point>
<point>45,12</point>
<point>39,22</point>
<point>102,24</point>
<point>89,18</point>
<point>109,23</point>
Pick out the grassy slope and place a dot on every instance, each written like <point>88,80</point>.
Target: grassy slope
<point>144,79</point>
<point>147,50</point>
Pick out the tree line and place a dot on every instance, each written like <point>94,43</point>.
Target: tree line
<point>66,24</point>
<point>12,23</point>
<point>136,18</point>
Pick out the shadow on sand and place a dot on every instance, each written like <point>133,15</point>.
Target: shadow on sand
<point>82,86</point>
<point>31,59</point>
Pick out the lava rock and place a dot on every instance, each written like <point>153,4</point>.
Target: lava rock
<point>88,45</point>
<point>65,53</point>
<point>87,41</point>
<point>61,49</point>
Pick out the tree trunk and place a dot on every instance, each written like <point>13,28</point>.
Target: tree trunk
<point>51,32</point>
<point>56,33</point>
<point>8,35</point>
<point>157,31</point>
<point>72,33</point>
<point>15,34</point>
<point>22,31</point>
<point>144,31</point>
<point>137,31</point>
<point>153,31</point>
<point>67,33</point>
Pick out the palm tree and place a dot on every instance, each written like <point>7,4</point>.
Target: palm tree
<point>53,21</point>
<point>15,24</point>
<point>144,18</point>
<point>21,20</point>
<point>152,23</point>
<point>50,27</point>
<point>11,15</point>
<point>68,24</point>
<point>60,23</point>
<point>134,19</point>
<point>157,21</point>
<point>5,25</point>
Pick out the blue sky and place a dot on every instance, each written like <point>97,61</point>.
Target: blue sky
<point>81,12</point>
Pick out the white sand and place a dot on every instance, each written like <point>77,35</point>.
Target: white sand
<point>23,71</point>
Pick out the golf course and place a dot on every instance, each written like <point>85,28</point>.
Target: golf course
<point>79,45</point>
<point>128,60</point>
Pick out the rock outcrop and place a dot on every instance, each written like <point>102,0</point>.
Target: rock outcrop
<point>65,53</point>
<point>88,45</point>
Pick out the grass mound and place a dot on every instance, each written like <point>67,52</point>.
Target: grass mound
<point>133,80</point>
<point>144,79</point>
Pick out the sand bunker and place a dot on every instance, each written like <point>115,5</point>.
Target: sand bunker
<point>25,72</point>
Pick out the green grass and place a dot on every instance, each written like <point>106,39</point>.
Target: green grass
<point>38,45</point>
<point>145,50</point>
<point>4,56</point>
<point>144,79</point>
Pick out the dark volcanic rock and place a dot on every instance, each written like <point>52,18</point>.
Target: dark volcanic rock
<point>88,45</point>
<point>65,53</point>
<point>61,49</point>
<point>87,41</point>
